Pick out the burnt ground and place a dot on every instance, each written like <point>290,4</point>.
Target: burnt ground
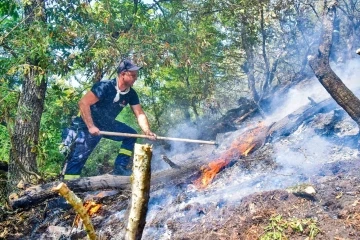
<point>333,213</point>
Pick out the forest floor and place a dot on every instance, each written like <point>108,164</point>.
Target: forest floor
<point>332,213</point>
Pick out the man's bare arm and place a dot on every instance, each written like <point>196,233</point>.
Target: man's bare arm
<point>143,121</point>
<point>84,105</point>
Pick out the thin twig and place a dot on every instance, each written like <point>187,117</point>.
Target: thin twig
<point>3,19</point>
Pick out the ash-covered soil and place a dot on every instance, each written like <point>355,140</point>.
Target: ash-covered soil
<point>332,213</point>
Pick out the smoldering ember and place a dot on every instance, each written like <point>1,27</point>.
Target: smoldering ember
<point>282,165</point>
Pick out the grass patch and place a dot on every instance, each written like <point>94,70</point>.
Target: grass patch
<point>280,228</point>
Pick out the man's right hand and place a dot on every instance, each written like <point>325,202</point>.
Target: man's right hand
<point>94,131</point>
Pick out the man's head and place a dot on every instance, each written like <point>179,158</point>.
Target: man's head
<point>127,73</point>
<point>126,66</point>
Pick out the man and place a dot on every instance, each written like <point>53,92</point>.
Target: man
<point>98,109</point>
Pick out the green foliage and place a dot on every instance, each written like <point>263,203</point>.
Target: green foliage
<point>102,159</point>
<point>60,106</point>
<point>5,144</point>
<point>181,52</point>
<point>280,228</point>
<point>8,8</point>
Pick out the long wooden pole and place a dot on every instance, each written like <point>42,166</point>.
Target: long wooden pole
<point>158,137</point>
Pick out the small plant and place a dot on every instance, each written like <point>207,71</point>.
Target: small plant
<point>279,228</point>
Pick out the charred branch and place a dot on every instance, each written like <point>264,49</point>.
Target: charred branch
<point>168,161</point>
<point>230,119</point>
<point>312,101</point>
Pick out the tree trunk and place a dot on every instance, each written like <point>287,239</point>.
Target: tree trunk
<point>321,67</point>
<point>266,84</point>
<point>248,68</point>
<point>25,135</point>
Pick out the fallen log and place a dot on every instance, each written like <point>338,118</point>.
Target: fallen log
<point>253,139</point>
<point>39,193</point>
<point>284,127</point>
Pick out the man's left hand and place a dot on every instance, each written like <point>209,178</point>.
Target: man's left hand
<point>150,135</point>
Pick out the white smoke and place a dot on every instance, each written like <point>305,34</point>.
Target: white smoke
<point>312,88</point>
<point>185,130</point>
<point>349,73</point>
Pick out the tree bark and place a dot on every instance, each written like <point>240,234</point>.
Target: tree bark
<point>327,77</point>
<point>249,66</point>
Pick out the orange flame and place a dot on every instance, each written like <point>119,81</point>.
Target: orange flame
<point>91,208</point>
<point>209,172</point>
<point>241,146</point>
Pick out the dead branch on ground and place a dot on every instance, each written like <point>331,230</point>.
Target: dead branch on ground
<point>77,204</point>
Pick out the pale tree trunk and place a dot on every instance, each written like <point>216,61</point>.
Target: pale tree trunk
<point>140,192</point>
<point>25,133</point>
<point>269,70</point>
<point>321,67</point>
